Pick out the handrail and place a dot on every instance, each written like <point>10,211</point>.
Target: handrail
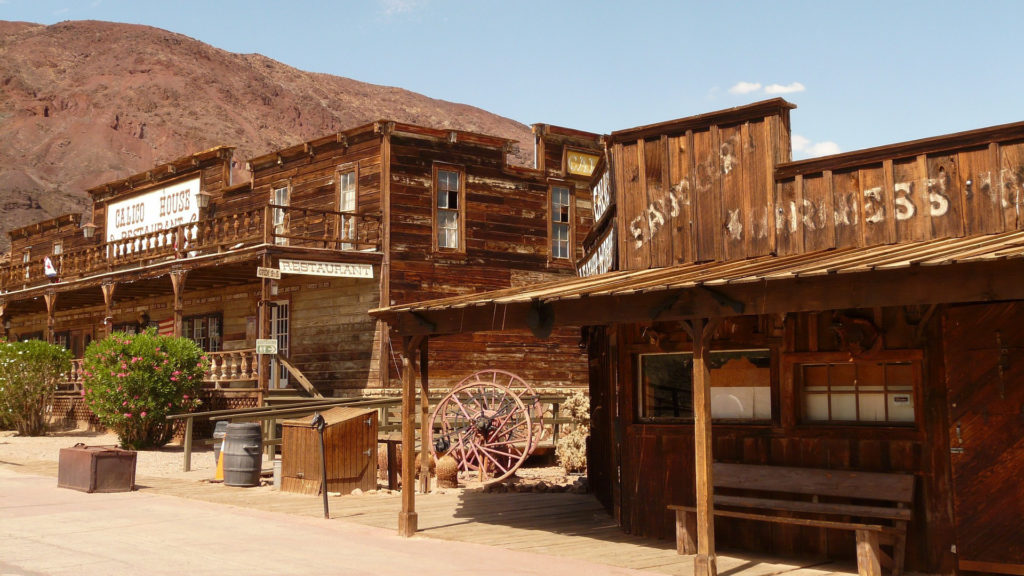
<point>299,377</point>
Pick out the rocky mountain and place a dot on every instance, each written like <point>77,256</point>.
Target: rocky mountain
<point>86,102</point>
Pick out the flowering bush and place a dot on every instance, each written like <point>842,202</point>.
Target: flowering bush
<point>132,382</point>
<point>29,374</point>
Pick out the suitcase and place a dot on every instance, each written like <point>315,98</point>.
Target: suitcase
<point>96,469</point>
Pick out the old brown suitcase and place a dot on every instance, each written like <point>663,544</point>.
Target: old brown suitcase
<point>96,469</point>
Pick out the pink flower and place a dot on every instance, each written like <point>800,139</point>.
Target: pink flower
<point>125,403</point>
<point>142,415</point>
<point>127,414</point>
<point>174,378</point>
<point>170,404</point>
<point>185,397</point>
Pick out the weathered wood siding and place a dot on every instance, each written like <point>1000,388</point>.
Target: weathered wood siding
<point>699,189</point>
<point>507,244</point>
<point>658,463</point>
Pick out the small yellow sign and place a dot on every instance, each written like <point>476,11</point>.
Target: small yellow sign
<point>581,163</point>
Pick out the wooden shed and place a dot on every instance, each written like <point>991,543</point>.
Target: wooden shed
<point>350,443</point>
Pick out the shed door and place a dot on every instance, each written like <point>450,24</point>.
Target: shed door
<point>985,375</point>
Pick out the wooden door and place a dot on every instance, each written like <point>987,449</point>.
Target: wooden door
<point>985,374</point>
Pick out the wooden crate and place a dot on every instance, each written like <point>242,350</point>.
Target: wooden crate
<point>350,443</point>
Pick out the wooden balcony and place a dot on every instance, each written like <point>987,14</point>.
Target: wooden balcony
<point>269,225</point>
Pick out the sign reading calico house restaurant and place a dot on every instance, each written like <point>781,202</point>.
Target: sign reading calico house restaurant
<point>160,209</point>
<point>336,269</point>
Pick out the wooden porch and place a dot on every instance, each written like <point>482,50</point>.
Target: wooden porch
<point>557,524</point>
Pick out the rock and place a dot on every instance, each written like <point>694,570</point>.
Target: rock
<point>357,492</point>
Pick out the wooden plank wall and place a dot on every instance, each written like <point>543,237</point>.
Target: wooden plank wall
<point>699,194</point>
<point>905,198</point>
<point>506,245</point>
<point>658,459</point>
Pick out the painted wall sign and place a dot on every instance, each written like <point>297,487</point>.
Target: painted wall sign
<point>601,193</point>
<point>335,269</point>
<point>602,259</point>
<point>153,211</point>
<point>580,163</point>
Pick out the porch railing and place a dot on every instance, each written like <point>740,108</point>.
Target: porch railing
<point>282,225</point>
<point>228,369</point>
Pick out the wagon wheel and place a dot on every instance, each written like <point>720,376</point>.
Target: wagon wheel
<point>521,388</point>
<point>486,427</point>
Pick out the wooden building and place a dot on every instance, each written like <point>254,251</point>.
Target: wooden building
<point>852,314</point>
<point>385,213</point>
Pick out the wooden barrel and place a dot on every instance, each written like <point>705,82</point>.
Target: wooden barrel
<point>243,454</point>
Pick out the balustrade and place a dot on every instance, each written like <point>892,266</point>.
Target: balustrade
<point>231,366</point>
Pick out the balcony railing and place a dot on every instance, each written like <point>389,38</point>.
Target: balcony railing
<point>228,369</point>
<point>281,225</point>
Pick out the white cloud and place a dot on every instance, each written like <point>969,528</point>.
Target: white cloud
<point>745,87</point>
<point>804,148</point>
<point>787,89</point>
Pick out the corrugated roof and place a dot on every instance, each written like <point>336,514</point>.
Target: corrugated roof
<point>763,269</point>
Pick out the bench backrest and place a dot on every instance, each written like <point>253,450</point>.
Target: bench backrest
<point>889,487</point>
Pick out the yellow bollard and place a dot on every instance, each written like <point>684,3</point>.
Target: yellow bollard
<point>219,475</point>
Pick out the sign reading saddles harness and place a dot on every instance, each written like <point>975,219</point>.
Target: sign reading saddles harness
<point>336,269</point>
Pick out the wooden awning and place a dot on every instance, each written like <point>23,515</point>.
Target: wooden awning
<point>972,269</point>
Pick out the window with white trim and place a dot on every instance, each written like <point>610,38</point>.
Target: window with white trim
<point>204,330</point>
<point>347,204</point>
<point>561,222</point>
<point>281,199</point>
<point>449,194</point>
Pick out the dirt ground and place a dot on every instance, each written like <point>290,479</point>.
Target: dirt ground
<point>167,462</point>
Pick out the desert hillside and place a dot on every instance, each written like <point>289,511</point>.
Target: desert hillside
<point>86,102</point>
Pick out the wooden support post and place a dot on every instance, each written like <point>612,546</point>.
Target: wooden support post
<point>426,431</point>
<point>704,563</point>
<point>178,284</point>
<point>407,519</point>
<point>3,319</point>
<point>263,331</point>
<point>51,309</point>
<point>108,307</point>
<point>868,563</point>
<point>188,444</point>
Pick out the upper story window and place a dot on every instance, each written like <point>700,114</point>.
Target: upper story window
<point>281,199</point>
<point>449,215</point>
<point>58,247</point>
<point>25,258</point>
<point>561,222</point>
<point>347,181</point>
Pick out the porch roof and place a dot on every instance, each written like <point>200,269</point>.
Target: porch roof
<point>914,273</point>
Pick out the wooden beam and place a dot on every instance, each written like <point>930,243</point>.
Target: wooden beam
<point>263,330</point>
<point>51,309</point>
<point>704,563</point>
<point>426,428</point>
<point>108,289</point>
<point>407,518</point>
<point>178,285</point>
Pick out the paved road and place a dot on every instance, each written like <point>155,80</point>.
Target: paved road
<point>45,530</point>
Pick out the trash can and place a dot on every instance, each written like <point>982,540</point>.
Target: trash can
<point>220,429</point>
<point>243,454</point>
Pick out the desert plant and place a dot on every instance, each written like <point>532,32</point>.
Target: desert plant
<point>132,382</point>
<point>571,449</point>
<point>29,374</point>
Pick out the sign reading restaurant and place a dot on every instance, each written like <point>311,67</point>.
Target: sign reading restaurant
<point>160,209</point>
<point>336,269</point>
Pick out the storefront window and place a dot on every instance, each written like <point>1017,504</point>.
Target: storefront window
<point>858,392</point>
<point>740,385</point>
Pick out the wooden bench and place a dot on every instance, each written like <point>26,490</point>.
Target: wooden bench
<point>875,506</point>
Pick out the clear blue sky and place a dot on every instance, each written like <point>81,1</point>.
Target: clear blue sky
<point>863,73</point>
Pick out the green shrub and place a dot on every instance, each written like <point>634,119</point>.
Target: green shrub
<point>132,382</point>
<point>29,375</point>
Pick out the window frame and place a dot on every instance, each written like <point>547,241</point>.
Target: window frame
<point>460,247</point>
<point>571,224</point>
<point>279,216</point>
<point>792,373</point>
<point>189,321</point>
<point>773,399</point>
<point>349,168</point>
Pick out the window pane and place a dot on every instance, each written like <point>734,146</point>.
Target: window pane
<point>872,407</point>
<point>844,407</point>
<point>816,407</point>
<point>666,385</point>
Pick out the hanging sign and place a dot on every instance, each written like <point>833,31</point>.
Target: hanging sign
<point>266,345</point>
<point>262,272</point>
<point>580,163</point>
<point>335,269</point>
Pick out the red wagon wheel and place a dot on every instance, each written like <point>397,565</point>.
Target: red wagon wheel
<point>485,426</point>
<point>521,388</point>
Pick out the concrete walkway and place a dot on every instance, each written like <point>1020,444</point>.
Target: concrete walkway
<point>53,531</point>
